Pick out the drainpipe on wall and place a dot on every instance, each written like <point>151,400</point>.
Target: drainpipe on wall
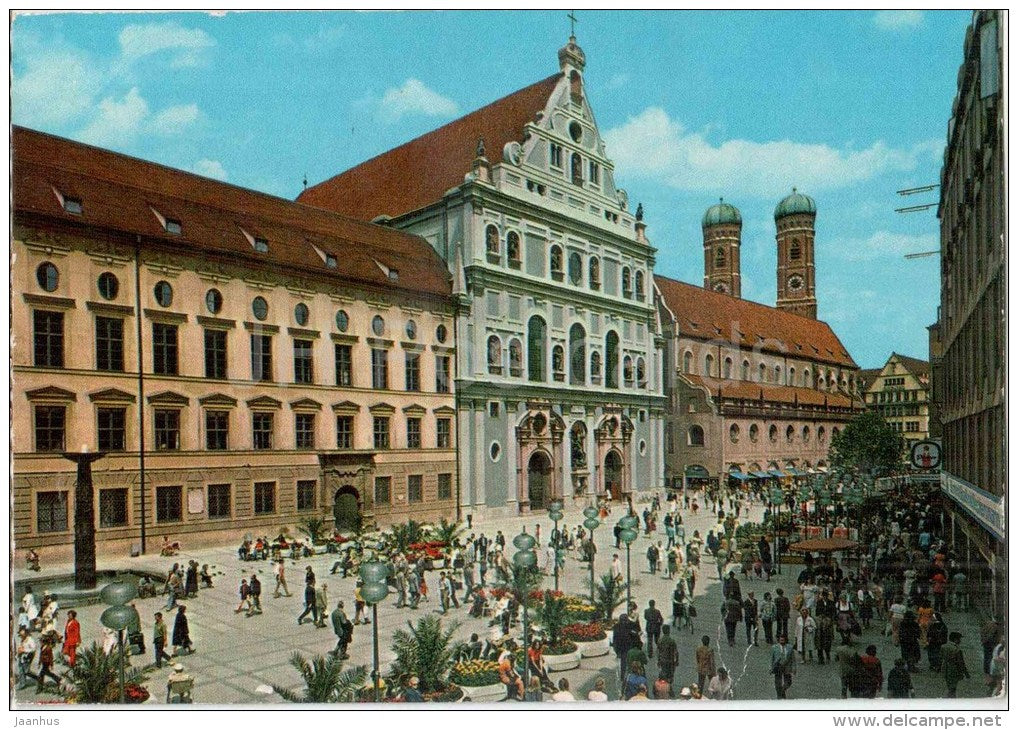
<point>456,419</point>
<point>141,383</point>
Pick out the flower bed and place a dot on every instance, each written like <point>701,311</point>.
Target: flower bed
<point>474,673</point>
<point>581,632</point>
<point>449,693</point>
<point>579,610</point>
<point>561,656</point>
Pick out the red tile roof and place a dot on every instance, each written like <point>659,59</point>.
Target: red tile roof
<point>420,172</point>
<point>709,315</point>
<point>120,193</point>
<point>746,390</point>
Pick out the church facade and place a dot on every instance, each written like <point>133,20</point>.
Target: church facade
<point>559,346</point>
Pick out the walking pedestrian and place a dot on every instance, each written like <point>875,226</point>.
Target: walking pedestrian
<point>256,595</point>
<point>182,633</point>
<point>782,610</point>
<point>872,671</point>
<point>654,620</point>
<point>72,638</point>
<point>705,661</point>
<point>954,664</point>
<point>322,604</point>
<point>310,603</point>
<point>667,655</point>
<point>768,612</point>
<point>750,613</point>
<point>343,628</point>
<point>245,597</point>
<point>805,630</point>
<point>46,662</point>
<point>733,615</point>
<point>782,666</point>
<point>279,570</point>
<point>653,556</point>
<point>847,660</point>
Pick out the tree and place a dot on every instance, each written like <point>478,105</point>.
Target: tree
<point>448,532</point>
<point>96,676</point>
<point>425,651</point>
<point>325,680</point>
<point>867,443</point>
<point>608,595</point>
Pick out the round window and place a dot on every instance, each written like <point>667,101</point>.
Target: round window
<point>300,314</point>
<point>342,320</point>
<point>576,131</point>
<point>47,276</point>
<point>495,451</point>
<point>378,326</point>
<point>164,293</point>
<point>109,287</point>
<point>260,308</point>
<point>411,330</point>
<point>441,333</point>
<point>213,301</point>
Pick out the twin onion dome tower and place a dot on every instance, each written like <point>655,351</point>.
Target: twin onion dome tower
<point>794,217</point>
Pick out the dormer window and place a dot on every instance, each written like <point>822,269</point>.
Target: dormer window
<point>173,226</point>
<point>393,274</point>
<point>73,205</point>
<point>330,260</point>
<point>261,245</point>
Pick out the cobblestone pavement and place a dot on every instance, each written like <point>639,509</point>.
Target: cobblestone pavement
<point>236,654</point>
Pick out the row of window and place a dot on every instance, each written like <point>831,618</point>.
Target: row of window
<point>556,156</point>
<point>695,434</point>
<point>808,379</point>
<point>109,354</point>
<point>514,257</point>
<point>114,503</point>
<point>111,430</point>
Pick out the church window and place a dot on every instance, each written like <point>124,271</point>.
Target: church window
<point>627,371</point>
<point>791,376</point>
<point>558,362</point>
<point>515,358</point>
<point>577,355</point>
<point>790,434</point>
<point>763,373</point>
<point>575,269</point>
<point>777,374</point>
<point>821,434</point>
<point>512,245</point>
<point>754,433</point>
<point>494,355</point>
<point>728,368</point>
<point>594,273</point>
<point>611,360</point>
<point>555,155</point>
<point>595,367</point>
<point>536,343</point>
<point>805,378</point>
<point>576,169</point>
<point>687,362</point>
<point>805,434</point>
<point>795,252</point>
<point>772,434</point>
<point>641,373</point>
<point>491,240</point>
<point>556,263</point>
<point>695,436</point>
<point>733,433</point>
<point>745,369</point>
<point>708,365</point>
<point>719,258</point>
<point>595,173</point>
<point>627,283</point>
<point>639,285</point>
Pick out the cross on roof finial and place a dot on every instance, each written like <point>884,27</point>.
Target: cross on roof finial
<point>572,23</point>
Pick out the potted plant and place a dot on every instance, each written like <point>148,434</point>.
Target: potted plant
<point>560,653</point>
<point>425,651</point>
<point>608,595</point>
<point>325,680</point>
<point>478,678</point>
<point>96,679</point>
<point>591,639</point>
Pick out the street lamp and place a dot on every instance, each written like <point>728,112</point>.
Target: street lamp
<point>591,523</point>
<point>804,494</point>
<point>777,497</point>
<point>84,518</point>
<point>119,616</point>
<point>375,575</point>
<point>628,534</point>
<point>555,513</point>
<point>524,561</point>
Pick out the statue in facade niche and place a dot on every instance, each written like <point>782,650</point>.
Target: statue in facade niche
<point>578,449</point>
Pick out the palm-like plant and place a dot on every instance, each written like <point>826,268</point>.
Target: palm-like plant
<point>552,615</point>
<point>96,674</point>
<point>523,582</point>
<point>448,532</point>
<point>405,535</point>
<point>313,527</point>
<point>608,595</point>
<point>426,650</point>
<point>325,680</point>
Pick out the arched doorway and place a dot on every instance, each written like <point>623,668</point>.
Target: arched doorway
<point>538,480</point>
<point>613,474</point>
<point>346,509</point>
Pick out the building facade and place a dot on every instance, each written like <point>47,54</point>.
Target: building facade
<point>754,392</point>
<point>559,371</point>
<point>243,361</point>
<point>901,391</point>
<point>973,295</point>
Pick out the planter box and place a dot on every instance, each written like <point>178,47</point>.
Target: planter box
<point>484,693</point>
<point>594,648</point>
<point>562,662</point>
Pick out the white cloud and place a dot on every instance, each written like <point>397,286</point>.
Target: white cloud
<point>652,145</point>
<point>186,45</point>
<point>897,19</point>
<point>54,89</point>
<point>413,97</point>
<point>883,244</point>
<point>210,168</point>
<point>170,120</point>
<point>117,121</point>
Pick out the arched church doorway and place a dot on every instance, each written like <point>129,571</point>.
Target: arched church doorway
<point>346,509</point>
<point>613,474</point>
<point>538,480</point>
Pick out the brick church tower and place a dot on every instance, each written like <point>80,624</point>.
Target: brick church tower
<point>722,236</point>
<point>794,218</point>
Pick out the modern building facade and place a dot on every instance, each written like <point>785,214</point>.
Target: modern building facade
<point>243,361</point>
<point>559,348</point>
<point>900,391</point>
<point>973,299</point>
<point>754,392</point>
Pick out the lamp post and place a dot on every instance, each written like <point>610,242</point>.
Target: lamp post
<point>84,518</point>
<point>524,560</point>
<point>628,534</point>
<point>804,495</point>
<point>119,616</point>
<point>555,513</point>
<point>375,575</point>
<point>591,523</point>
<point>777,497</point>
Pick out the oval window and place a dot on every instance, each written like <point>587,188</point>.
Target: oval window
<point>260,308</point>
<point>300,314</point>
<point>378,326</point>
<point>342,320</point>
<point>109,287</point>
<point>47,276</point>
<point>164,293</point>
<point>411,330</point>
<point>213,301</point>
<point>576,131</point>
<point>441,333</point>
<point>495,451</point>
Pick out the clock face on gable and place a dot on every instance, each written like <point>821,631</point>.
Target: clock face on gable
<point>721,287</point>
<point>795,282</point>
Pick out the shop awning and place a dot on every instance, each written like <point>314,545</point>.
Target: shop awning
<point>697,472</point>
<point>762,474</point>
<point>822,469</point>
<point>795,472</point>
<point>739,475</point>
<point>777,473</point>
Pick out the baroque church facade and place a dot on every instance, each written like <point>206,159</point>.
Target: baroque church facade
<point>559,347</point>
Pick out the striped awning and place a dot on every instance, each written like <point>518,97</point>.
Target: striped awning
<point>792,471</point>
<point>762,474</point>
<point>739,475</point>
<point>777,473</point>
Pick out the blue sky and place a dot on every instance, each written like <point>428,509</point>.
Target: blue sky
<point>848,106</point>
